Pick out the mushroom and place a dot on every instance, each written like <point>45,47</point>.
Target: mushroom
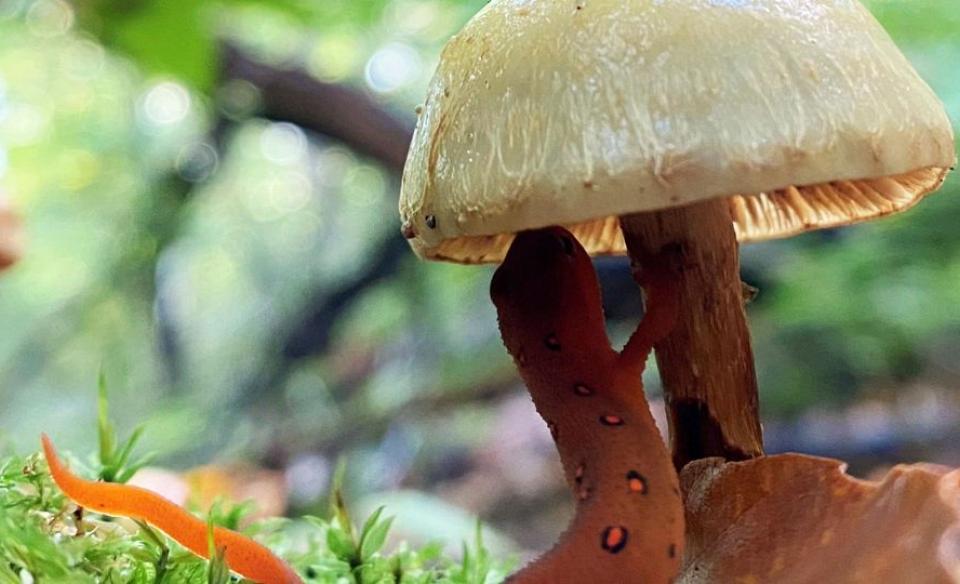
<point>10,235</point>
<point>689,125</point>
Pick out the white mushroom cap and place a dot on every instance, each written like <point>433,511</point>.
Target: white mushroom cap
<point>573,112</point>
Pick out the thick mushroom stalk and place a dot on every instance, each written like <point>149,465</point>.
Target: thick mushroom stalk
<point>706,362</point>
<point>629,524</point>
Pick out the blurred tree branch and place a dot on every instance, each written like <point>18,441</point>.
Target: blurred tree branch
<point>359,122</point>
<point>334,110</point>
<point>364,424</point>
<point>352,117</point>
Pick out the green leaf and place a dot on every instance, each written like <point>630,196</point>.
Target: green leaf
<point>217,571</point>
<point>128,447</point>
<point>106,431</point>
<point>341,544</point>
<point>370,523</point>
<point>373,538</point>
<point>114,458</point>
<point>170,37</point>
<point>179,37</point>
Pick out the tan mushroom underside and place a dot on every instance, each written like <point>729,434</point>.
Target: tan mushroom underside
<point>574,112</point>
<point>770,215</point>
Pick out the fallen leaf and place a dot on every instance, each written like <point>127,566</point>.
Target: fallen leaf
<point>239,483</point>
<point>795,519</point>
<point>234,484</point>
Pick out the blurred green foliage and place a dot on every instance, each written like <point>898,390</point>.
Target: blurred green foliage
<point>179,255</point>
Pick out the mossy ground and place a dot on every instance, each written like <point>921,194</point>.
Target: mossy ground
<point>45,538</point>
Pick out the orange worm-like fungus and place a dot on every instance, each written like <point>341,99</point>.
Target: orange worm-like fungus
<point>243,555</point>
<point>629,524</point>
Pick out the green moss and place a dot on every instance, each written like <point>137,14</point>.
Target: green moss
<point>43,540</point>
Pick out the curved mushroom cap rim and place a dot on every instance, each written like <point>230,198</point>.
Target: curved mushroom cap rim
<point>776,214</point>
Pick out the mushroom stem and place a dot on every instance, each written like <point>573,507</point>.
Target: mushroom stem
<point>706,363</point>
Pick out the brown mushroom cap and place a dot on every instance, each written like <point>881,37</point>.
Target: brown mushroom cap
<point>574,112</point>
<point>11,236</point>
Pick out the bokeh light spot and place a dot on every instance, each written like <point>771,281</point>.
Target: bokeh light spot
<point>283,143</point>
<point>307,477</point>
<point>277,195</point>
<point>26,124</point>
<point>238,99</point>
<point>288,192</point>
<point>196,162</point>
<point>363,186</point>
<point>83,59</point>
<point>166,103</point>
<point>413,17</point>
<point>332,163</point>
<point>335,56</point>
<point>393,67</point>
<point>50,18</point>
<point>78,169</point>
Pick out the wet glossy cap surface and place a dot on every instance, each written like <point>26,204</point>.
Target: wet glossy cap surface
<point>573,112</point>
